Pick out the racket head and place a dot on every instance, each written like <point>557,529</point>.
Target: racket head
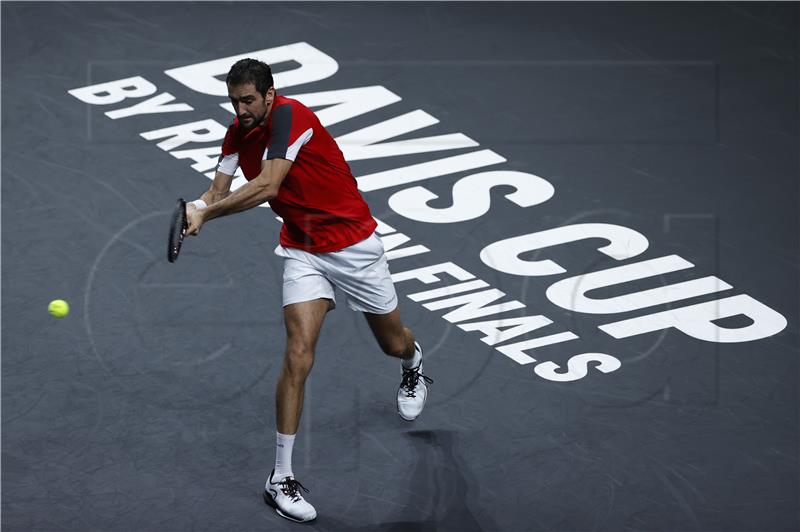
<point>177,230</point>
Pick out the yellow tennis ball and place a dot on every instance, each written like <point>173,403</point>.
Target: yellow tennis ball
<point>58,308</point>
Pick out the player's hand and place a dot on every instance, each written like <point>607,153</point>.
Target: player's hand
<point>194,218</point>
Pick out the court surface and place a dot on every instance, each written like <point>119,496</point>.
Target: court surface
<point>666,134</point>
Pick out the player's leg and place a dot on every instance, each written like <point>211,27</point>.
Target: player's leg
<point>303,324</point>
<point>393,337</point>
<point>362,272</point>
<point>307,297</point>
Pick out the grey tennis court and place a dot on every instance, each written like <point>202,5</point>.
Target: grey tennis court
<point>590,212</point>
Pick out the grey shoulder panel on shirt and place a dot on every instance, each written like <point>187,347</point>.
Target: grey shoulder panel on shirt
<point>281,128</point>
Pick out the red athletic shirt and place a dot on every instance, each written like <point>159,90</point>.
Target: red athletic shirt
<point>319,201</point>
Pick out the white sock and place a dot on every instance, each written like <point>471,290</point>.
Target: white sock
<point>283,456</point>
<point>414,361</point>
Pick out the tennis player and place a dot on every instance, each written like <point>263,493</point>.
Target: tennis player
<point>327,241</point>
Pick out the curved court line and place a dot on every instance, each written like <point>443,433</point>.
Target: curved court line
<point>90,334</point>
<point>93,271</point>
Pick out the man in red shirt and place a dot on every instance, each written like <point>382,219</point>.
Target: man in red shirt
<point>327,240</point>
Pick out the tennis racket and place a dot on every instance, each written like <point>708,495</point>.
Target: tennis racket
<point>177,230</point>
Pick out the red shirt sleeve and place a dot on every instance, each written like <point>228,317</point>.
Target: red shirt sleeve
<point>228,160</point>
<point>230,144</point>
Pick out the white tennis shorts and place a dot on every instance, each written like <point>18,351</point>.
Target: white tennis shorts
<point>361,271</point>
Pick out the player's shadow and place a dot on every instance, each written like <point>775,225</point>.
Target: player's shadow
<point>444,475</point>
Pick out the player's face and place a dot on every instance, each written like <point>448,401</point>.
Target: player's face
<point>250,106</point>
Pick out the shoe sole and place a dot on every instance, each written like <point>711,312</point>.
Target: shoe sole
<point>274,505</point>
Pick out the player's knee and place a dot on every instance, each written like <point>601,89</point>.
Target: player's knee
<point>298,361</point>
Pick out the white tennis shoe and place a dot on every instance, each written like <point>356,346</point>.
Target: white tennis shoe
<point>413,391</point>
<point>285,497</point>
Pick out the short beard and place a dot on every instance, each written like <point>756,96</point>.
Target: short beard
<point>256,122</point>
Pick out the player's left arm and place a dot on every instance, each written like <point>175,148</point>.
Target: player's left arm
<point>252,194</point>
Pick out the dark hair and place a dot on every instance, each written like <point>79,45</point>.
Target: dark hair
<point>250,71</point>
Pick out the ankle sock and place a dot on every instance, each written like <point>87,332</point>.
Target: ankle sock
<point>414,361</point>
<point>283,456</point>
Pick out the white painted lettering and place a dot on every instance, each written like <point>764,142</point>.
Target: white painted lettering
<point>203,131</point>
<point>427,274</point>
<point>366,143</point>
<point>421,171</point>
<point>577,367</point>
<point>697,321</point>
<point>498,331</point>
<point>473,305</point>
<point>471,197</point>
<point>345,103</point>
<point>314,66</point>
<point>516,352</point>
<point>446,291</point>
<point>114,91</point>
<point>571,293</point>
<point>151,106</point>
<point>504,254</point>
<point>204,158</point>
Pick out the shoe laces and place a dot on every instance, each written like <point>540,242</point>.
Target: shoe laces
<point>289,488</point>
<point>411,378</point>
